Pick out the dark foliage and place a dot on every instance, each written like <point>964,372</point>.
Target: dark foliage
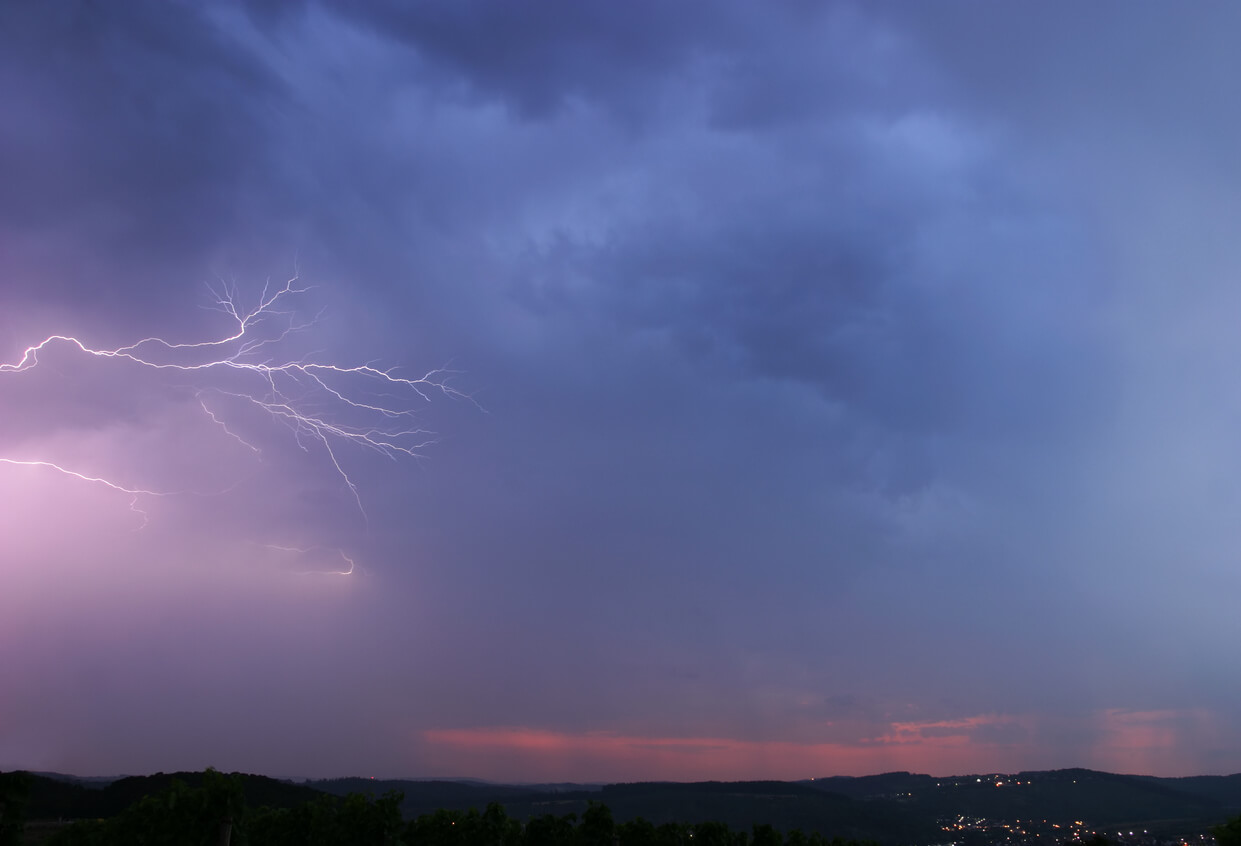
<point>14,796</point>
<point>190,816</point>
<point>58,798</point>
<point>214,808</point>
<point>1228,834</point>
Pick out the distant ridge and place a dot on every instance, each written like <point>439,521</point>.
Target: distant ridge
<point>890,808</point>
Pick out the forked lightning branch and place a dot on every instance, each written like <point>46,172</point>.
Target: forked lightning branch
<point>322,405</point>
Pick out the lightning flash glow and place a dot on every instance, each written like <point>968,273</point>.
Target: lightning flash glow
<point>334,557</point>
<point>134,493</point>
<point>322,405</point>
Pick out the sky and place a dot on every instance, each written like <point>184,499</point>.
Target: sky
<point>587,391</point>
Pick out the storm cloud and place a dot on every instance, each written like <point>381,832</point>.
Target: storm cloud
<point>850,387</point>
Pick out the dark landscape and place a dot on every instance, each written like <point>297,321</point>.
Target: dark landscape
<point>635,414</point>
<point>893,809</point>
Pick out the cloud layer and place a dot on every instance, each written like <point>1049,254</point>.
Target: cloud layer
<point>853,389</point>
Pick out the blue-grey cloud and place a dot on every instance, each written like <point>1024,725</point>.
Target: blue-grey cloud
<point>839,366</point>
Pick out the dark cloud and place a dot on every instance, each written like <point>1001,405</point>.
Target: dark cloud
<point>112,110</point>
<point>538,61</point>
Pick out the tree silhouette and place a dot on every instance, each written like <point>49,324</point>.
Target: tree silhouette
<point>14,793</point>
<point>597,828</point>
<point>1228,834</point>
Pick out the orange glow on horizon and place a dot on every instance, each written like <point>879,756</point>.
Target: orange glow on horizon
<point>1129,741</point>
<point>533,753</point>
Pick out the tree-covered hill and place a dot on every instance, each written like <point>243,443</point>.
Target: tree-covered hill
<point>1104,799</point>
<point>1223,789</point>
<point>58,798</point>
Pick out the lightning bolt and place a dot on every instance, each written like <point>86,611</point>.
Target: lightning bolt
<point>350,564</point>
<point>224,426</point>
<point>134,493</point>
<point>323,405</point>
